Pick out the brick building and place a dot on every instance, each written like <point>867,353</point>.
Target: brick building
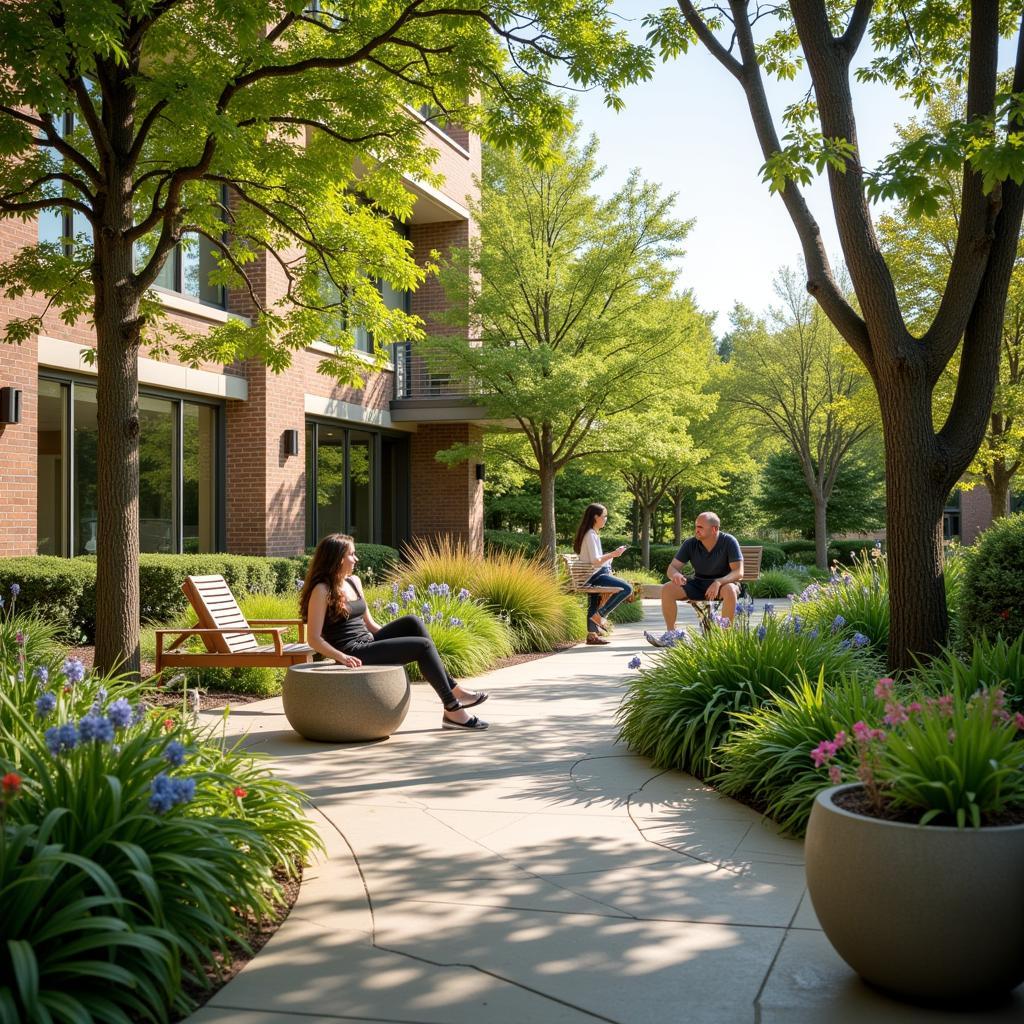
<point>237,458</point>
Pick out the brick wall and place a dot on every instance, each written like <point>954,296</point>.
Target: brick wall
<point>975,513</point>
<point>445,500</point>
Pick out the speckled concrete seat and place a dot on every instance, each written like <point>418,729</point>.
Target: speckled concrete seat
<point>332,704</point>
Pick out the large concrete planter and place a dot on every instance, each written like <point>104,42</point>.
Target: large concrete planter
<point>924,912</point>
<point>326,702</point>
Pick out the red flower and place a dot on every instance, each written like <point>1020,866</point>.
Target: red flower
<point>11,783</point>
<point>241,793</point>
<point>168,724</point>
<point>1005,613</point>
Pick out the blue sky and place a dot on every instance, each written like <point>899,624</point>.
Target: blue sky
<point>688,129</point>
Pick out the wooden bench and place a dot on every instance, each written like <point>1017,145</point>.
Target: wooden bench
<point>579,573</point>
<point>751,570</point>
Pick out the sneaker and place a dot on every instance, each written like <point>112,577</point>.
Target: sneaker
<point>667,639</point>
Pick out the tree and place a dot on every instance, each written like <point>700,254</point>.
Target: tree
<point>917,46</point>
<point>857,504</point>
<point>567,298</point>
<point>802,386</point>
<point>920,252</point>
<point>156,123</point>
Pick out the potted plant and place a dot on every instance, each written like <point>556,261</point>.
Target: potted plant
<point>916,869</point>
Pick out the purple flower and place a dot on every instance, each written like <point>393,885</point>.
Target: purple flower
<point>45,703</point>
<point>455,621</point>
<point>813,633</point>
<point>426,609</point>
<point>19,638</point>
<point>74,670</point>
<point>165,792</point>
<point>174,754</point>
<point>96,727</point>
<point>120,712</point>
<point>762,631</point>
<point>15,590</point>
<point>42,673</point>
<point>391,608</point>
<point>433,588</point>
<point>463,594</point>
<point>444,590</point>
<point>769,609</point>
<point>837,624</point>
<point>859,640</point>
<point>61,738</point>
<point>633,662</point>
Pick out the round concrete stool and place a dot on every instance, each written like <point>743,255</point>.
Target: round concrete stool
<point>324,701</point>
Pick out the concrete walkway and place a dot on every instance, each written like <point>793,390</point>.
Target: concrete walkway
<point>540,873</point>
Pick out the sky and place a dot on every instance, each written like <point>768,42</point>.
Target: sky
<point>688,129</point>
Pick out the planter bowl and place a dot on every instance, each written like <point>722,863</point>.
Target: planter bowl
<point>925,912</point>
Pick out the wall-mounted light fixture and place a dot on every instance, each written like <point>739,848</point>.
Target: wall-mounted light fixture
<point>480,471</point>
<point>10,405</point>
<point>291,442</point>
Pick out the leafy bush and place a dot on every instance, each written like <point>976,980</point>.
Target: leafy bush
<point>509,541</point>
<point>627,612</point>
<point>766,758</point>
<point>988,664</point>
<point>848,551</point>
<point>678,712</point>
<point>132,850</point>
<point>772,556</point>
<point>992,594</point>
<point>469,637</point>
<point>774,583</point>
<point>661,555</point>
<point>60,591</point>
<point>852,601</point>
<point>526,592</point>
<point>376,562</point>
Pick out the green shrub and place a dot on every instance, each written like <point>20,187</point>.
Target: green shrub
<point>661,555</point>
<point>772,556</point>
<point>627,612</point>
<point>792,547</point>
<point>849,551</point>
<point>376,562</point>
<point>766,758</point>
<point>510,541</point>
<point>60,591</point>
<point>469,637</point>
<point>854,601</point>
<point>774,583</point>
<point>678,712</point>
<point>527,593</point>
<point>992,592</point>
<point>987,664</point>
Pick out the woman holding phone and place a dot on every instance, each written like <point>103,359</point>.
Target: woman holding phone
<point>588,546</point>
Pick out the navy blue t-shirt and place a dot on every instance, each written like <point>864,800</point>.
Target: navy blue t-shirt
<point>710,565</point>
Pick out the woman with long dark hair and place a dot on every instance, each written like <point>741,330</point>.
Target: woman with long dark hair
<point>588,546</point>
<point>340,627</point>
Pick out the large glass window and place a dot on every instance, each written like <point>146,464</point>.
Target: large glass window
<point>187,272</point>
<point>52,463</point>
<point>179,472</point>
<point>60,225</point>
<point>361,466</point>
<point>330,481</point>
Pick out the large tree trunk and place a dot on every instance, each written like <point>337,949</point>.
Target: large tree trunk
<point>117,470</point>
<point>677,518</point>
<point>820,531</point>
<point>915,497</point>
<point>997,483</point>
<point>645,534</point>
<point>546,466</point>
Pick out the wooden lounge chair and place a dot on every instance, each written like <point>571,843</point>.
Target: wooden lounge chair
<point>229,638</point>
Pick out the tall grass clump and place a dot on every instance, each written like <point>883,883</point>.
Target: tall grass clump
<point>852,601</point>
<point>678,712</point>
<point>523,591</point>
<point>987,664</point>
<point>469,637</point>
<point>774,583</point>
<point>765,760</point>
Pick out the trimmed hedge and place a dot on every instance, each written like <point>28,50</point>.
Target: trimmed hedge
<point>992,591</point>
<point>63,590</point>
<point>511,542</point>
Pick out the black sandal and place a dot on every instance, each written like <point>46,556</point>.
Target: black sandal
<point>473,723</point>
<point>480,698</point>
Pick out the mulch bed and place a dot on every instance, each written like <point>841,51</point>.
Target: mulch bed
<point>857,801</point>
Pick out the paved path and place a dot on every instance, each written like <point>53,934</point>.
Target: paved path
<point>540,874</point>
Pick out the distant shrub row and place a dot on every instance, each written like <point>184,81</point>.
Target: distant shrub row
<point>63,590</point>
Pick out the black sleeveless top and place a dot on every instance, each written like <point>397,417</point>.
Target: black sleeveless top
<point>346,634</point>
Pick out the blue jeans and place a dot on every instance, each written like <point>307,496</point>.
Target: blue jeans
<point>604,578</point>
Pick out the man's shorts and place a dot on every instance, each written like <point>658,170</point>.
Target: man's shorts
<point>695,589</point>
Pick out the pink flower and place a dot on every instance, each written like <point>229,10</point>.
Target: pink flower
<point>951,735</point>
<point>822,753</point>
<point>883,688</point>
<point>914,707</point>
<point>1019,719</point>
<point>945,704</point>
<point>835,774</point>
<point>895,714</point>
<point>840,740</point>
<point>862,731</point>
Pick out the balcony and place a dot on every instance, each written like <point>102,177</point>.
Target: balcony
<point>428,393</point>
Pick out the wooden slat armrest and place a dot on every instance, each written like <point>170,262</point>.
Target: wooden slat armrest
<point>300,623</point>
<point>218,632</point>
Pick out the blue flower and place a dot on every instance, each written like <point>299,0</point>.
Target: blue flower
<point>444,590</point>
<point>120,712</point>
<point>394,591</point>
<point>391,608</point>
<point>74,670</point>
<point>42,673</point>
<point>463,594</point>
<point>439,616</point>
<point>633,662</point>
<point>798,624</point>
<point>174,754</point>
<point>61,738</point>
<point>96,727</point>
<point>45,703</point>
<point>762,631</point>
<point>769,609</point>
<point>859,640</point>
<point>845,645</point>
<point>165,792</point>
<point>837,624</point>
<point>16,589</point>
<point>813,633</point>
<point>426,609</point>
<point>455,621</point>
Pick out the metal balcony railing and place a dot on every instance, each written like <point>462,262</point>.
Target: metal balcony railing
<point>416,379</point>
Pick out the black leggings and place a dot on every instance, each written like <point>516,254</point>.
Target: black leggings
<point>403,640</point>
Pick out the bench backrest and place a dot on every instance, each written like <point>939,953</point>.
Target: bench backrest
<point>751,561</point>
<point>579,572</point>
<point>216,608</point>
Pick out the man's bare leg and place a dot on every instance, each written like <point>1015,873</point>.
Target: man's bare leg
<point>729,593</point>
<point>671,595</point>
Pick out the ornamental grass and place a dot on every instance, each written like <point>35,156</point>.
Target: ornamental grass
<point>522,591</point>
<point>679,711</point>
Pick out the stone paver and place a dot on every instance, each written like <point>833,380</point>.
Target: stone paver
<point>540,873</point>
